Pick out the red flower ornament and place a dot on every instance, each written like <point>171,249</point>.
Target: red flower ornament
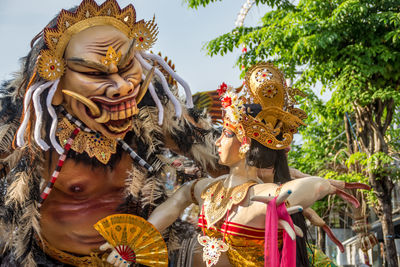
<point>226,102</point>
<point>222,89</point>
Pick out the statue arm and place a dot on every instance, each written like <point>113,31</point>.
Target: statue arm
<point>166,213</point>
<point>305,191</point>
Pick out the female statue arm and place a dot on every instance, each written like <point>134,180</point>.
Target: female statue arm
<point>166,213</point>
<point>305,191</point>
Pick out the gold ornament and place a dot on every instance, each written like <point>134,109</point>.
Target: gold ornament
<point>50,67</point>
<point>278,120</point>
<point>212,248</point>
<point>135,239</point>
<point>145,34</point>
<point>89,14</point>
<point>218,199</point>
<point>94,144</point>
<point>111,57</point>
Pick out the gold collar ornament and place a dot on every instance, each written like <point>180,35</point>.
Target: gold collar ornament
<point>219,199</point>
<point>94,144</point>
<point>51,65</point>
<point>264,85</point>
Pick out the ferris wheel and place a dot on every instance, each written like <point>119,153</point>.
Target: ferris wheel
<point>243,12</point>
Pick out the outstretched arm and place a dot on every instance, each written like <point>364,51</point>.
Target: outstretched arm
<point>166,213</point>
<point>305,191</point>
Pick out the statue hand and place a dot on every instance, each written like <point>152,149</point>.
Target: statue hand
<point>315,220</point>
<point>338,186</point>
<point>337,189</point>
<point>282,223</point>
<point>114,258</point>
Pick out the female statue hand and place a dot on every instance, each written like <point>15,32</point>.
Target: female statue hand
<point>283,224</point>
<point>114,258</point>
<point>338,187</point>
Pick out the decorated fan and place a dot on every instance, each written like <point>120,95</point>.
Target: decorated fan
<point>135,239</point>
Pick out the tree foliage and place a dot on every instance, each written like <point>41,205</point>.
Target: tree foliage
<point>342,44</point>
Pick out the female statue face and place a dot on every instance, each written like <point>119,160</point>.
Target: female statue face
<point>111,85</point>
<point>228,148</point>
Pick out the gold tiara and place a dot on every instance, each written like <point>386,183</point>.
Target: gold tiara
<point>51,64</point>
<point>278,119</point>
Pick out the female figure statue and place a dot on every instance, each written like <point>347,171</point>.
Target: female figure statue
<point>232,207</point>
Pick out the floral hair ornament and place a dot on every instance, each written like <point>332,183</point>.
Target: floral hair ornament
<point>233,105</point>
<point>278,119</point>
<point>51,64</point>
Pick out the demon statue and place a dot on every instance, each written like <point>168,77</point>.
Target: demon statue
<point>83,127</point>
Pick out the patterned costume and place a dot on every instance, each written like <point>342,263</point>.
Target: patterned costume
<point>246,244</point>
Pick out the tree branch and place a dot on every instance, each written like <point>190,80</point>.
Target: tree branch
<point>389,115</point>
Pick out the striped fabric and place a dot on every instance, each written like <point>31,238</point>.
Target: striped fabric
<point>60,163</point>
<point>235,229</point>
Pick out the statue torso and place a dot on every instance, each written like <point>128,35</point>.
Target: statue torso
<point>82,195</point>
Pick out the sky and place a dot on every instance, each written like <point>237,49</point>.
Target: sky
<point>182,34</point>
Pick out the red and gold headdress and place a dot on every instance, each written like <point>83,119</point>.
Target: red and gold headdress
<point>278,119</point>
<point>51,64</point>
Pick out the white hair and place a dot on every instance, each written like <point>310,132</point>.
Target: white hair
<point>157,101</point>
<point>37,87</point>
<point>185,85</point>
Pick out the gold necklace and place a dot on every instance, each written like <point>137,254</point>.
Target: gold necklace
<point>94,260</point>
<point>94,144</point>
<point>218,199</point>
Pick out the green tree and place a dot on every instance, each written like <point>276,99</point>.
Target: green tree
<point>353,48</point>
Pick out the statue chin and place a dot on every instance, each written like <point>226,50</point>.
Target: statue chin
<point>112,129</point>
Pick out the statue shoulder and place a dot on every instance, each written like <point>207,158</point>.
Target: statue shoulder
<point>266,189</point>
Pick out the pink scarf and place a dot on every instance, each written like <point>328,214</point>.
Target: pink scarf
<point>272,256</point>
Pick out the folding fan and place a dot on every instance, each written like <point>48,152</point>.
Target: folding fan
<point>135,239</point>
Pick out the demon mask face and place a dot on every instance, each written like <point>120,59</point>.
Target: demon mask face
<point>91,64</point>
<point>102,80</point>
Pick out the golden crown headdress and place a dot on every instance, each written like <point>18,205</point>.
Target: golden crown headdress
<point>51,63</point>
<point>278,119</point>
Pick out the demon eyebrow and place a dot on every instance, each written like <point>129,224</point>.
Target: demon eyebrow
<point>128,54</point>
<point>89,63</point>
